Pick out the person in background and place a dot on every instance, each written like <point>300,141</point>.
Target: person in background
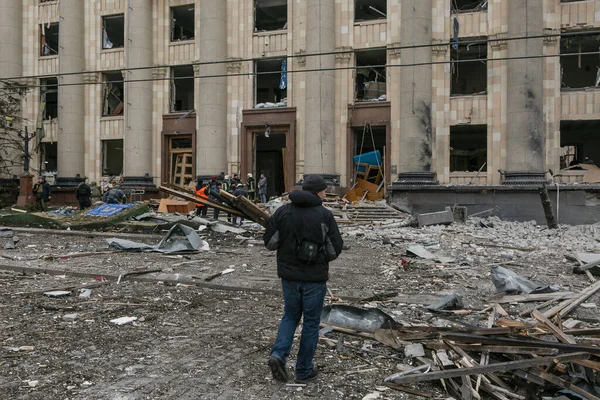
<point>43,193</point>
<point>214,188</point>
<point>201,190</point>
<point>114,196</point>
<point>239,191</point>
<point>251,182</point>
<point>306,238</point>
<point>83,193</point>
<point>262,188</point>
<point>96,192</point>
<point>235,181</point>
<point>588,160</point>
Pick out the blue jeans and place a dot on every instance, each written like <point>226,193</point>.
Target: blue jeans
<point>263,197</point>
<point>300,298</point>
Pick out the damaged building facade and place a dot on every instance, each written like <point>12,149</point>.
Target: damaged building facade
<point>129,88</point>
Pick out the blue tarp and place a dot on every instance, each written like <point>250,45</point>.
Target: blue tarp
<point>371,158</point>
<point>108,210</point>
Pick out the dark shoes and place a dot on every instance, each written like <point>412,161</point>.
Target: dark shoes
<point>311,377</point>
<point>278,369</point>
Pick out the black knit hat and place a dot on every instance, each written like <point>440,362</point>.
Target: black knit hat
<point>314,183</point>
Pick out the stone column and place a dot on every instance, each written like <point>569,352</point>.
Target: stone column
<point>71,93</point>
<point>415,87</point>
<point>211,103</point>
<point>11,45</point>
<point>525,136</point>
<point>319,128</point>
<point>137,142</point>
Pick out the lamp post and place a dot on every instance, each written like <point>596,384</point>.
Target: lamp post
<point>26,179</point>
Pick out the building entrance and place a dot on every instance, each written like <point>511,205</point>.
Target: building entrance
<point>269,159</point>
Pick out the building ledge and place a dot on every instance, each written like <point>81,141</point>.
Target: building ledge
<point>268,33</point>
<point>491,188</point>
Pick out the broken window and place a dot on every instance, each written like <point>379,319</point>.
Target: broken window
<point>49,39</point>
<point>580,70</point>
<point>370,75</point>
<point>468,148</point>
<point>112,94</point>
<point>113,31</point>
<point>49,156</point>
<point>182,88</point>
<point>367,10</point>
<point>580,142</point>
<point>49,98</point>
<point>270,15</point>
<point>469,77</point>
<point>182,23</point>
<point>270,83</point>
<point>112,157</point>
<point>459,6</point>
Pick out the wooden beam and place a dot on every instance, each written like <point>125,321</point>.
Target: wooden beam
<point>523,298</point>
<point>560,335</point>
<point>491,368</point>
<point>201,200</point>
<point>584,296</point>
<point>555,380</point>
<point>499,341</point>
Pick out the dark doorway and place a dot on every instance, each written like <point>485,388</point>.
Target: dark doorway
<point>583,140</point>
<point>269,160</point>
<point>49,157</point>
<point>112,157</point>
<point>366,140</point>
<point>468,148</point>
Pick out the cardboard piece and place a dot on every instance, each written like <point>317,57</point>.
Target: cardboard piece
<point>173,206</point>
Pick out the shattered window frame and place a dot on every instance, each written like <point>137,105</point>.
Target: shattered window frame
<point>49,86</point>
<point>269,74</point>
<point>49,34</point>
<point>370,10</point>
<point>474,158</point>
<point>467,6</point>
<point>476,49</point>
<point>266,21</point>
<point>181,82</point>
<point>183,33</point>
<point>113,89</point>
<point>110,38</point>
<point>370,72</point>
<point>582,64</point>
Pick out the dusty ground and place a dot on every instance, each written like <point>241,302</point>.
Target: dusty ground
<point>193,342</point>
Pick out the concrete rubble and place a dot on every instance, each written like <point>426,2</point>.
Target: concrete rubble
<point>407,309</point>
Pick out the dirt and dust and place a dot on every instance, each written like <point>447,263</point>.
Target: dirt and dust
<point>198,341</point>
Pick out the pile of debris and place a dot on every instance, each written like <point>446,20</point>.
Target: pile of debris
<point>508,358</point>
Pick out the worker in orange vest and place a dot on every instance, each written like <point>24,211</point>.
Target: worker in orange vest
<point>201,190</point>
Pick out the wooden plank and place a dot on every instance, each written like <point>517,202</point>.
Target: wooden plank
<point>555,380</point>
<point>582,268</point>
<point>560,335</point>
<point>536,297</point>
<point>510,349</point>
<point>247,207</point>
<point>499,341</point>
<point>194,198</point>
<point>584,296</point>
<point>491,368</point>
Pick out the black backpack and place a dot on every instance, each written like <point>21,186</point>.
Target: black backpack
<point>307,251</point>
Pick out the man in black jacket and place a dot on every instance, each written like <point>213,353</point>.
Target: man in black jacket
<point>306,238</point>
<point>43,193</point>
<point>83,194</point>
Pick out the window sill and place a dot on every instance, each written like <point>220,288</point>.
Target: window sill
<point>582,89</point>
<point>50,57</point>
<point>268,33</point>
<point>182,42</point>
<point>48,2</point>
<point>113,50</point>
<point>370,22</point>
<point>112,117</point>
<point>454,96</point>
